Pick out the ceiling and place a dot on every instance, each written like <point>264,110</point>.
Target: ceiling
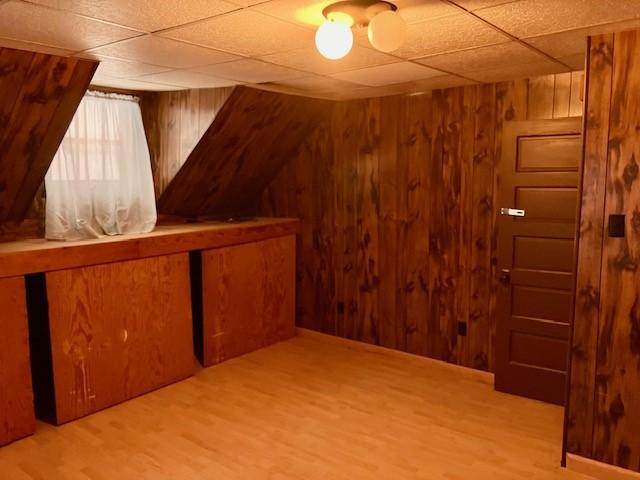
<point>167,45</point>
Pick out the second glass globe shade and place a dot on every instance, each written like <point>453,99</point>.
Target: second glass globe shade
<point>387,31</point>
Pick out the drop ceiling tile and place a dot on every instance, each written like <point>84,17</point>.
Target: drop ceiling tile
<point>250,71</point>
<point>185,78</point>
<point>245,32</point>
<point>409,88</point>
<point>309,12</point>
<point>472,5</point>
<point>247,3</point>
<point>146,15</point>
<point>448,34</point>
<point>483,58</point>
<point>32,23</point>
<point>34,47</point>
<point>513,72</point>
<point>164,52</point>
<point>120,69</point>
<point>528,18</point>
<point>388,74</point>
<point>316,83</point>
<point>133,84</point>
<point>573,42</point>
<point>309,60</point>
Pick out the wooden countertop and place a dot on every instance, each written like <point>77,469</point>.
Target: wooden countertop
<point>40,255</point>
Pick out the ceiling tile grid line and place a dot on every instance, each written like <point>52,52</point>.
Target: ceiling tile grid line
<point>506,33</point>
<point>214,42</point>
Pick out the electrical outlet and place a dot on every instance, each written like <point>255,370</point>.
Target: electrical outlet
<point>462,329</point>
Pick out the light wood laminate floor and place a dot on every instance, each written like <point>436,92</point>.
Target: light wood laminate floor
<point>314,407</point>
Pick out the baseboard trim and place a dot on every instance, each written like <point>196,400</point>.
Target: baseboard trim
<point>599,470</point>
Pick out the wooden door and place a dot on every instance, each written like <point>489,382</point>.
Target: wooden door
<point>539,176</point>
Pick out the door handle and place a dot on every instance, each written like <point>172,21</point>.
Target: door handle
<point>505,277</point>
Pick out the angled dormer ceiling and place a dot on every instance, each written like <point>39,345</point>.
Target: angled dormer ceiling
<point>247,144</point>
<point>39,96</point>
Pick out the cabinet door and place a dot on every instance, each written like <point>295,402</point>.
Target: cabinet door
<point>117,331</point>
<point>248,297</point>
<point>17,419</point>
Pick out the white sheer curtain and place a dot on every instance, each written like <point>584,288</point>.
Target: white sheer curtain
<point>100,181</point>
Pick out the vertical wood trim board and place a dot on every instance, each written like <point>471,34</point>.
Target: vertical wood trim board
<point>397,209</point>
<point>587,298</point>
<point>17,418</point>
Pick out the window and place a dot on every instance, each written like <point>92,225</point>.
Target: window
<point>100,181</point>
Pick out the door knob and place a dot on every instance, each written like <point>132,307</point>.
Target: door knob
<point>505,276</point>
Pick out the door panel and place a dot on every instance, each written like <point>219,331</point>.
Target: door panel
<point>539,174</point>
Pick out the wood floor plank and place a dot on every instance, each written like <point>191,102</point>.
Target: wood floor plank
<point>314,407</point>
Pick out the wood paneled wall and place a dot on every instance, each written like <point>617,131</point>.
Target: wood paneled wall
<point>39,96</point>
<point>255,133</point>
<point>603,419</point>
<point>174,123</point>
<point>397,197</point>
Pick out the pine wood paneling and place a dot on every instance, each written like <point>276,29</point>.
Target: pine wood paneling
<point>117,331</point>
<point>174,123</point>
<point>617,402</point>
<point>248,297</point>
<point>603,419</point>
<point>40,94</point>
<point>398,236</point>
<point>17,419</point>
<point>580,409</point>
<point>247,144</point>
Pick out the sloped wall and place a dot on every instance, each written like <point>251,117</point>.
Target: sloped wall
<point>254,134</point>
<point>397,198</point>
<point>174,123</point>
<point>40,94</point>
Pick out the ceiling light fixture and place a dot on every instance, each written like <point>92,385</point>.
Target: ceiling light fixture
<point>386,28</point>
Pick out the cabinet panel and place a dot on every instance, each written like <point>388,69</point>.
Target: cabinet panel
<point>248,297</point>
<point>117,331</point>
<point>17,419</point>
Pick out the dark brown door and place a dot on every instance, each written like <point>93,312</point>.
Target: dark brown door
<point>539,183</point>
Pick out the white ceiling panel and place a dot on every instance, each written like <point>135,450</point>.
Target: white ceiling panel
<point>528,18</point>
<point>448,34</point>
<point>309,60</point>
<point>575,41</point>
<point>146,15</point>
<point>388,74</point>
<point>32,23</point>
<point>308,13</point>
<point>120,69</point>
<point>513,72</point>
<point>185,78</point>
<point>251,71</point>
<point>34,47</point>
<point>317,83</point>
<point>246,32</point>
<point>164,52</point>
<point>128,84</point>
<point>483,58</point>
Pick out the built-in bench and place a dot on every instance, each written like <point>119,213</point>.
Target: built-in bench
<point>113,318</point>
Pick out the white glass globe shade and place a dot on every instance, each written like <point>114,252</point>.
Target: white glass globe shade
<point>334,40</point>
<point>387,31</point>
